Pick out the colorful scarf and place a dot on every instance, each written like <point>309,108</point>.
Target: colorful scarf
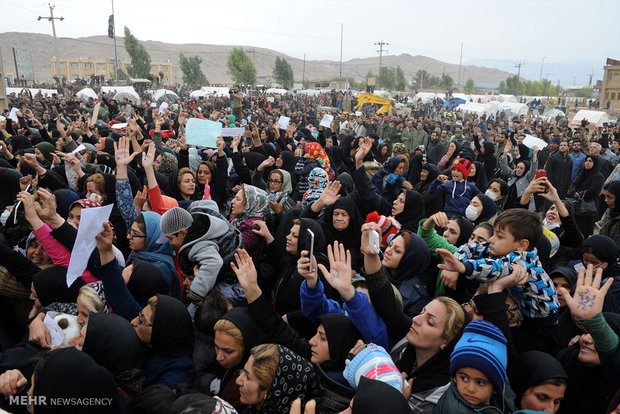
<point>256,204</point>
<point>316,152</point>
<point>317,181</point>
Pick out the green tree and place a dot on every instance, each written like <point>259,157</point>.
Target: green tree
<point>122,75</point>
<point>469,86</point>
<point>386,78</point>
<point>401,83</point>
<point>307,84</point>
<point>446,82</point>
<point>192,74</point>
<point>512,86</point>
<point>585,92</point>
<point>140,60</point>
<point>283,73</point>
<point>241,68</point>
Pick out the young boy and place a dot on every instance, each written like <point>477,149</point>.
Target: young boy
<point>516,233</point>
<point>478,371</point>
<point>458,191</point>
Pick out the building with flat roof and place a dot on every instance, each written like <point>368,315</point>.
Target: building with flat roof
<point>83,68</point>
<point>610,88</point>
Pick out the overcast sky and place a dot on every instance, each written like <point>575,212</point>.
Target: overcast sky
<point>560,31</point>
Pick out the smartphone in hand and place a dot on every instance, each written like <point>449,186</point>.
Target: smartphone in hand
<point>310,248</point>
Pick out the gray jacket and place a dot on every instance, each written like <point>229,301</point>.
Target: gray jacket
<point>520,182</point>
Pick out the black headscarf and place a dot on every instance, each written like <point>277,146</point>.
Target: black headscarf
<point>284,228</point>
<point>146,281</point>
<point>320,243</point>
<point>480,178</point>
<point>51,286</point>
<point>105,159</point>
<point>245,322</point>
<point>341,335</point>
<point>467,228</point>
<point>585,178</point>
<point>532,368</point>
<point>253,159</point>
<point>415,259</point>
<point>413,211</point>
<point>108,146</point>
<point>295,378</point>
<point>588,389</point>
<point>9,183</point>
<point>351,236</point>
<point>70,373</point>
<point>173,332</point>
<point>614,188</point>
<point>288,161</point>
<point>374,396</point>
<point>20,142</point>
<point>125,354</point>
<point>64,199</point>
<point>606,250</point>
<point>524,153</point>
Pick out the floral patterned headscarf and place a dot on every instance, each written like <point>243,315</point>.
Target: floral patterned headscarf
<point>317,181</point>
<point>256,204</point>
<point>316,152</point>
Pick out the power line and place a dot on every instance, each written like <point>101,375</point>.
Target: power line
<point>518,65</point>
<point>380,51</point>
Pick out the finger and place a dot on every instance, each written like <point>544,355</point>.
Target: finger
<point>606,286</point>
<point>21,382</point>
<point>588,278</point>
<point>325,272</point>
<point>296,407</point>
<point>330,254</point>
<point>570,302</point>
<point>349,262</point>
<point>597,278</point>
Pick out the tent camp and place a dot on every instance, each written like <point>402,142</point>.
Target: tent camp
<point>198,94</point>
<point>33,91</point>
<point>597,118</point>
<point>87,94</point>
<point>513,108</point>
<point>278,91</point>
<point>552,113</point>
<point>506,98</point>
<point>476,108</point>
<point>216,90</point>
<point>165,94</point>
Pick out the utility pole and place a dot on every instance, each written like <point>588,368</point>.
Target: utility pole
<point>541,68</point>
<point>303,73</point>
<point>341,33</point>
<point>380,51</point>
<point>518,65</point>
<point>253,52</point>
<point>458,88</point>
<point>115,52</point>
<point>51,18</point>
<point>547,75</point>
<point>591,74</point>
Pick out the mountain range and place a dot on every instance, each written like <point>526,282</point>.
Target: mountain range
<point>214,58</point>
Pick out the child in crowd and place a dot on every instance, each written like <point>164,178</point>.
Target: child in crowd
<point>517,232</point>
<point>458,191</point>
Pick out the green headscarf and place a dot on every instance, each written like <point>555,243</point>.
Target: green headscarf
<point>47,150</point>
<point>231,120</point>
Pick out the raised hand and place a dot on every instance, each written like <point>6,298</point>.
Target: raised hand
<point>121,152</point>
<point>303,265</point>
<point>12,382</point>
<point>263,231</point>
<point>246,274</point>
<point>517,277</point>
<point>366,248</point>
<point>589,295</point>
<point>105,239</point>
<point>47,209</point>
<point>148,157</point>
<point>339,273</point>
<point>330,194</point>
<point>451,263</point>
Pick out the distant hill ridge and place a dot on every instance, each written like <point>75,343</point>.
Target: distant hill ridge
<point>214,58</point>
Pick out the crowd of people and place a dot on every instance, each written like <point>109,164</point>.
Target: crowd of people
<point>419,261</point>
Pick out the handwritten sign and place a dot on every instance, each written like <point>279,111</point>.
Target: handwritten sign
<point>202,133</point>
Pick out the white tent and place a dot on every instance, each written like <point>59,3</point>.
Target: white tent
<point>216,90</point>
<point>198,94</point>
<point>515,109</point>
<point>507,98</point>
<point>87,94</point>
<point>276,90</point>
<point>594,117</point>
<point>310,92</point>
<point>474,98</point>
<point>428,95</point>
<point>123,92</point>
<point>33,91</point>
<point>475,108</point>
<point>552,113</point>
<point>165,93</point>
<point>116,89</point>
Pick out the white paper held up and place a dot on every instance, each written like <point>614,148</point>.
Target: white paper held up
<point>326,122</point>
<point>232,132</point>
<point>91,224</point>
<point>284,121</point>
<point>531,141</point>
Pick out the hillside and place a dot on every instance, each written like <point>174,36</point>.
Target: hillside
<point>214,59</point>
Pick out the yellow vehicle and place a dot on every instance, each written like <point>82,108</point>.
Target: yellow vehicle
<point>370,98</point>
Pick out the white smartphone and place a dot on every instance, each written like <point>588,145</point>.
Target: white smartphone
<point>310,247</point>
<point>373,240</point>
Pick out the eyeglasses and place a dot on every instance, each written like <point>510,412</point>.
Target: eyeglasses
<point>136,236</point>
<point>275,181</point>
<point>141,320</point>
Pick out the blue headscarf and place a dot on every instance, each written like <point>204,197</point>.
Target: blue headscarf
<point>158,254</point>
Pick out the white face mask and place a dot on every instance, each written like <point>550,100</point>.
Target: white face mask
<point>95,197</point>
<point>490,194</point>
<point>4,217</point>
<point>551,226</point>
<point>472,213</point>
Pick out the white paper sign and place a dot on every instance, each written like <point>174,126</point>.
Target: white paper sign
<point>57,335</point>
<point>326,122</point>
<point>531,141</point>
<point>358,113</point>
<point>284,121</point>
<point>13,114</point>
<point>91,224</point>
<point>232,132</point>
<point>78,149</point>
<point>270,99</point>
<point>164,105</point>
